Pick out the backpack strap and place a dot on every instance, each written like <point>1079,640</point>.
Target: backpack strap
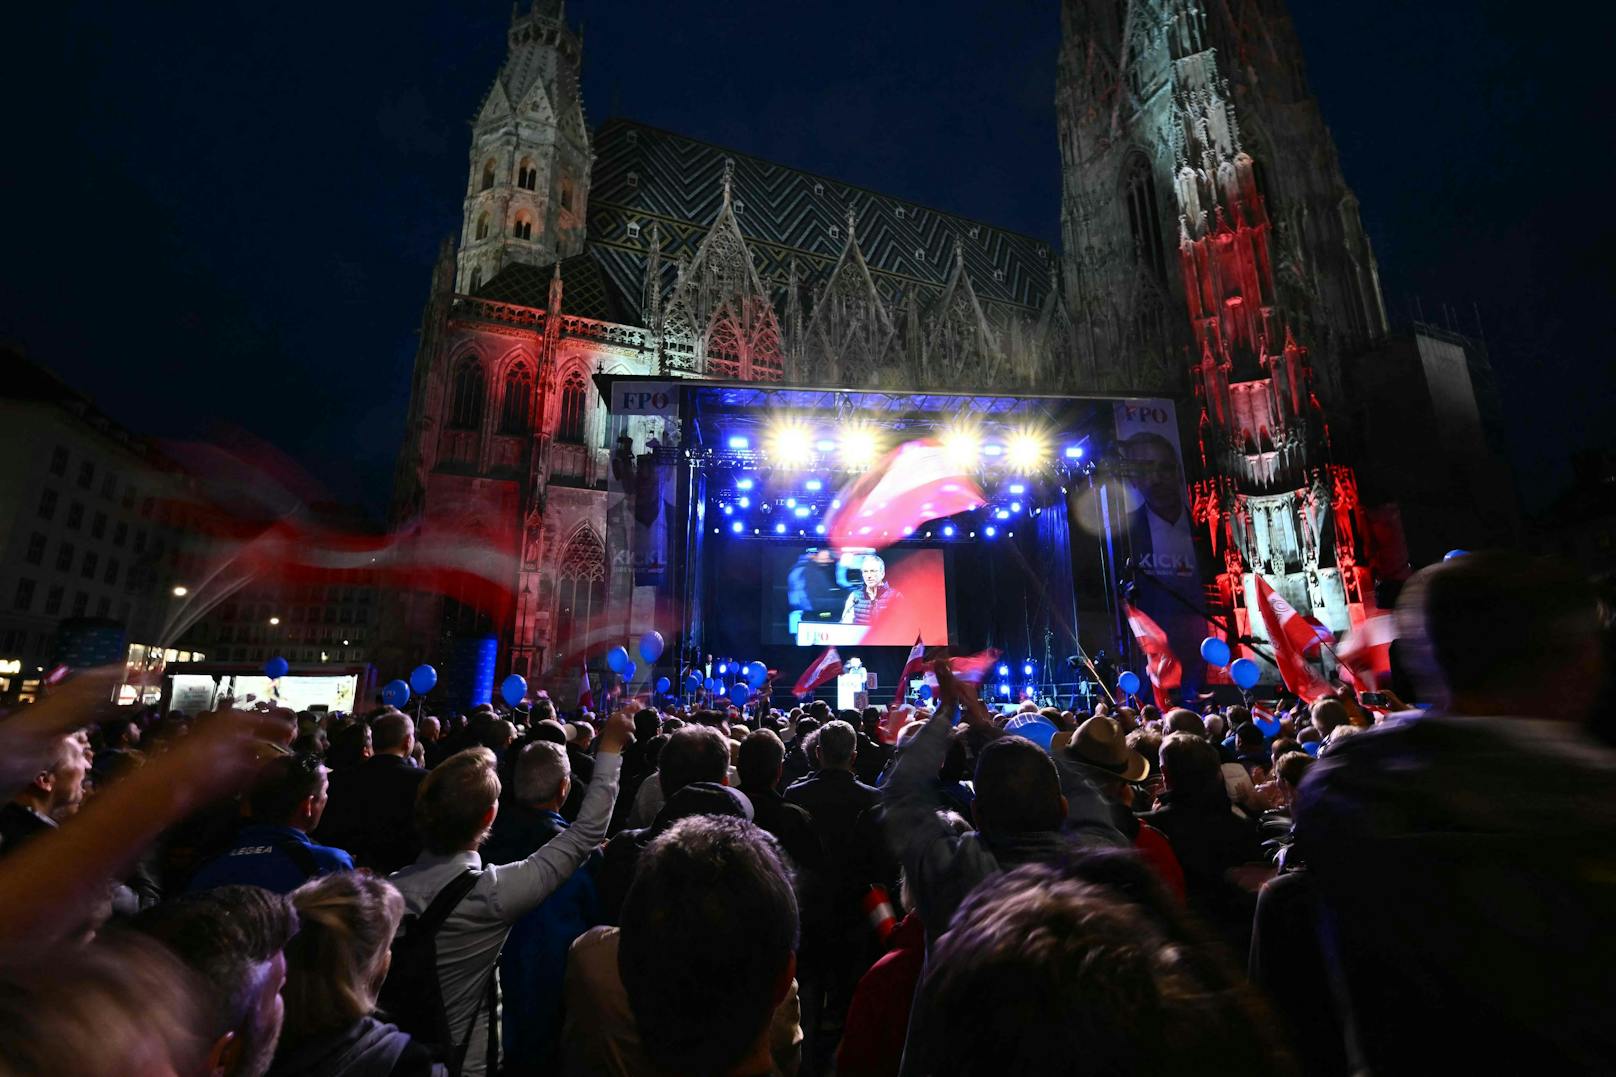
<point>450,896</point>
<point>300,854</point>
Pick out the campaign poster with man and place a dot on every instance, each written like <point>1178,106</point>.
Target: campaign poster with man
<point>1160,541</point>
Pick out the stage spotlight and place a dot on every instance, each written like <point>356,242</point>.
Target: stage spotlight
<point>948,532</point>
<point>1025,451</point>
<point>825,445</point>
<point>1011,534</point>
<point>1017,488</point>
<point>1004,670</point>
<point>962,444</point>
<point>993,450</point>
<point>1004,690</point>
<point>858,447</point>
<point>729,510</point>
<point>737,441</point>
<point>779,529</point>
<point>1074,452</point>
<point>789,441</point>
<point>990,532</point>
<point>813,484</point>
<point>791,502</point>
<point>1015,506</point>
<point>743,484</point>
<point>819,529</point>
<point>738,526</point>
<point>722,668</point>
<point>803,512</point>
<point>1001,515</point>
<point>800,531</point>
<point>908,531</point>
<point>973,534</point>
<point>1027,670</point>
<point>744,502</point>
<point>836,503</point>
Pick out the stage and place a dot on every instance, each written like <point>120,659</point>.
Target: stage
<point>752,475</point>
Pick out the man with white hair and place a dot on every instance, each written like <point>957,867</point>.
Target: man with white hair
<point>874,597</point>
<point>50,797</point>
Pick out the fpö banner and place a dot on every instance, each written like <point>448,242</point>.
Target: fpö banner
<point>644,398</point>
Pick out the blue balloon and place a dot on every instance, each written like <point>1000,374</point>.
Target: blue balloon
<point>1246,673</point>
<point>617,659</point>
<point>1128,682</point>
<point>1215,651</point>
<point>276,668</point>
<point>739,693</point>
<point>423,679</point>
<point>629,669</point>
<point>395,693</point>
<point>714,684</point>
<point>651,646</point>
<point>1035,727</point>
<point>925,691</point>
<point>513,689</point>
<point>693,682</point>
<point>756,674</point>
<point>662,686</point>
<point>1269,726</point>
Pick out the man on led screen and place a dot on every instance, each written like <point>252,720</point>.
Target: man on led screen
<point>876,596</point>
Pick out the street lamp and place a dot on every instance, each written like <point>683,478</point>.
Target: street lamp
<point>181,591</point>
<point>274,620</point>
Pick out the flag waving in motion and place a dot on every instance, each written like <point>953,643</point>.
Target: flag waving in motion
<point>1166,672</point>
<point>916,482</point>
<point>824,667</point>
<point>586,694</point>
<point>1290,634</point>
<point>915,661</point>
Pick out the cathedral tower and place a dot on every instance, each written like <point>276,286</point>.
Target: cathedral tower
<point>527,183</point>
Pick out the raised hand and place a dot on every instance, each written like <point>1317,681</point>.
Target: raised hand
<point>619,732</point>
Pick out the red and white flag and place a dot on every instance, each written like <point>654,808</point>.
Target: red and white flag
<point>915,483</point>
<point>1166,672</point>
<point>824,667</point>
<point>1366,653</point>
<point>586,694</point>
<point>973,668</point>
<point>1322,636</point>
<point>1289,633</point>
<point>915,661</point>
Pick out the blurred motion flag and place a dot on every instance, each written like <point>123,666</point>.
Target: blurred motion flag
<point>586,694</point>
<point>1322,636</point>
<point>1166,672</point>
<point>1290,634</point>
<point>973,668</point>
<point>915,661</point>
<point>913,484</point>
<point>1366,654</point>
<point>824,667</point>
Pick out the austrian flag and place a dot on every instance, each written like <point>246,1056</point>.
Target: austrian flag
<point>913,484</point>
<point>824,667</point>
<point>1290,635</point>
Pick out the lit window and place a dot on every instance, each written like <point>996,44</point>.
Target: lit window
<point>634,229</point>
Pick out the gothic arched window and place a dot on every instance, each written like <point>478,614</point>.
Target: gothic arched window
<point>516,405</point>
<point>523,228</point>
<point>476,278</point>
<point>571,426</point>
<point>580,587</point>
<point>466,409</point>
<point>1144,222</point>
<point>488,174</point>
<point>527,177</point>
<point>482,226</point>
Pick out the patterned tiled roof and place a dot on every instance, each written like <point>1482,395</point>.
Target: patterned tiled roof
<point>643,175</point>
<point>586,290</point>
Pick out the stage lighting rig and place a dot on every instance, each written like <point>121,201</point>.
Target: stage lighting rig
<point>1025,450</point>
<point>858,446</point>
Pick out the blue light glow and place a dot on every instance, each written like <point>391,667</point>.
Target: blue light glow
<point>825,445</point>
<point>1015,506</point>
<point>993,450</point>
<point>813,484</point>
<point>791,502</point>
<point>744,502</point>
<point>948,532</point>
<point>1027,669</point>
<point>1004,670</point>
<point>819,529</point>
<point>736,441</point>
<point>744,484</point>
<point>1001,515</point>
<point>990,532</point>
<point>803,512</point>
<point>1074,452</point>
<point>779,529</point>
<point>1004,689</point>
<point>908,531</point>
<point>729,510</point>
<point>738,526</point>
<point>1017,488</point>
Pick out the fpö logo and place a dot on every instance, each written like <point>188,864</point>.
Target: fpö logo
<point>1146,412</point>
<point>644,398</point>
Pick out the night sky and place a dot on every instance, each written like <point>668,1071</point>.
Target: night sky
<point>225,214</point>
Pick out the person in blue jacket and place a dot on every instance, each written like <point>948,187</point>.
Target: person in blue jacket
<point>274,850</point>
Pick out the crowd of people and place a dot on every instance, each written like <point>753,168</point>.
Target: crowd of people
<point>791,890</point>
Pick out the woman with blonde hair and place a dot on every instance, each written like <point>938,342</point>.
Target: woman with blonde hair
<point>335,966</point>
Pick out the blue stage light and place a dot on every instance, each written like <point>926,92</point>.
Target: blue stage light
<point>813,484</point>
<point>908,531</point>
<point>1004,690</point>
<point>738,526</point>
<point>990,532</point>
<point>1027,669</point>
<point>1017,488</point>
<point>791,502</point>
<point>836,503</point>
<point>721,668</point>
<point>825,445</point>
<point>744,502</point>
<point>779,529</point>
<point>993,450</point>
<point>1074,452</point>
<point>1015,506</point>
<point>737,441</point>
<point>948,532</point>
<point>743,484</point>
<point>1001,515</point>
<point>819,529</point>
<point>803,512</point>
<point>1004,670</point>
<point>729,510</point>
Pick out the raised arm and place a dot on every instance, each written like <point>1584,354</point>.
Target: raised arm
<point>522,886</point>
<point>910,791</point>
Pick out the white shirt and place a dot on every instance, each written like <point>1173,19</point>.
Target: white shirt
<point>470,940</point>
<point>1172,550</point>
